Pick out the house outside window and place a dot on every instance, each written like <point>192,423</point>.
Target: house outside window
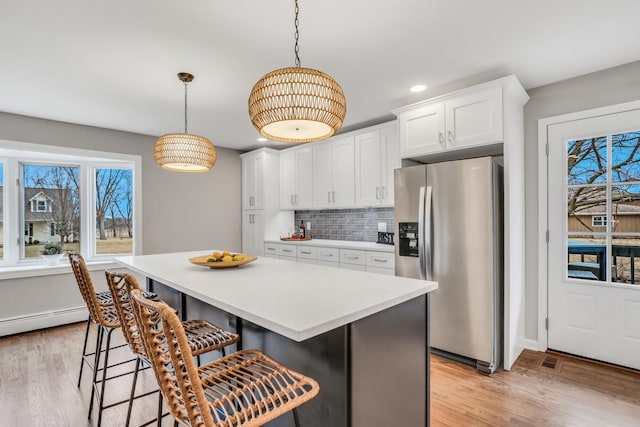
<point>598,221</point>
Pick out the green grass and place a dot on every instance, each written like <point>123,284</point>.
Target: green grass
<point>103,247</point>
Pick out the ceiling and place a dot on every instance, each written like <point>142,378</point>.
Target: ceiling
<point>113,64</point>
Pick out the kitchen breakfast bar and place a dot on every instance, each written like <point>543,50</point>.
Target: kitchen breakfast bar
<point>362,336</point>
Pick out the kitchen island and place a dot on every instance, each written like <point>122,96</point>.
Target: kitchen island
<point>362,336</point>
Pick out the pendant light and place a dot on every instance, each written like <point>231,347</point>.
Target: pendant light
<point>185,152</point>
<point>297,104</point>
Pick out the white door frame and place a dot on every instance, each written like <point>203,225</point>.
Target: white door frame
<point>543,224</point>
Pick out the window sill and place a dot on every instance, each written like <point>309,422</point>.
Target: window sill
<point>35,270</point>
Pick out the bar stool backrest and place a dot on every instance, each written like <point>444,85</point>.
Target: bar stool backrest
<point>120,285</point>
<point>166,345</point>
<point>87,290</point>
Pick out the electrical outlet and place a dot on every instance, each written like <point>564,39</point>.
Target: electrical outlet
<point>308,226</point>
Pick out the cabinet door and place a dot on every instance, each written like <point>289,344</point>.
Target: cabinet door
<point>253,228</point>
<point>390,146</point>
<point>304,178</point>
<point>343,177</point>
<point>422,131</point>
<point>287,179</point>
<point>474,119</point>
<point>368,164</point>
<point>252,181</point>
<point>322,167</point>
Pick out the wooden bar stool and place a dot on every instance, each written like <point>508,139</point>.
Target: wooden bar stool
<point>202,336</point>
<point>247,388</point>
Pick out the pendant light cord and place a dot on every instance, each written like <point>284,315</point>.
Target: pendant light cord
<point>185,107</point>
<point>297,48</point>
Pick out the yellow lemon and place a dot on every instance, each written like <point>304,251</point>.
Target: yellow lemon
<point>238,257</point>
<point>216,255</point>
<point>227,258</point>
<point>226,253</point>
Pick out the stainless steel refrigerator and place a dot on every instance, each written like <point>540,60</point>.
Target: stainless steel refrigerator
<point>449,229</point>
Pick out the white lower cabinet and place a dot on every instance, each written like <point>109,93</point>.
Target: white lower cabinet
<point>352,259</point>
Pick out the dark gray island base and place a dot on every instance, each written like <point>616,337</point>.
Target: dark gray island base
<point>372,372</point>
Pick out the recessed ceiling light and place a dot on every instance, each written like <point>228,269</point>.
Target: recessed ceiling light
<point>418,88</point>
<point>262,139</point>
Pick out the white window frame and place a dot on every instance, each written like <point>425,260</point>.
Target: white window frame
<point>599,221</point>
<point>13,154</point>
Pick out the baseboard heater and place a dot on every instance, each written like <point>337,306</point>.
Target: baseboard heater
<point>45,319</point>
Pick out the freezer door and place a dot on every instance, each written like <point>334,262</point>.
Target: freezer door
<point>464,241</point>
<point>408,183</point>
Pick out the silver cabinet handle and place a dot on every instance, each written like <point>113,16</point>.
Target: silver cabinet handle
<point>305,252</point>
<point>377,193</point>
<point>379,259</point>
<point>329,196</point>
<point>287,250</point>
<point>383,192</point>
<point>296,199</point>
<point>351,256</point>
<point>251,202</point>
<point>326,254</point>
<point>334,196</point>
<point>441,137</point>
<point>271,249</point>
<point>450,136</point>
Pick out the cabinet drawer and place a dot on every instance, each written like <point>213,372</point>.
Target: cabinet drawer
<point>288,251</point>
<point>273,249</point>
<point>381,259</point>
<point>350,256</point>
<point>306,252</point>
<point>328,254</point>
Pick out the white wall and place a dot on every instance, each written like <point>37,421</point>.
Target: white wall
<point>180,211</point>
<point>608,87</point>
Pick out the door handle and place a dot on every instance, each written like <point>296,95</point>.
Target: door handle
<point>428,235</point>
<point>421,236</point>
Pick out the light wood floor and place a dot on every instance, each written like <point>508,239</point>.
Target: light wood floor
<point>38,374</point>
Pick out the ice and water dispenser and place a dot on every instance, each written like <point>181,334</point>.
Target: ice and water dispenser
<point>408,239</point>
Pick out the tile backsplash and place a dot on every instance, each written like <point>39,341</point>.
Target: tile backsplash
<point>346,224</point>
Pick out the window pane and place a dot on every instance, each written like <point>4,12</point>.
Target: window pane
<point>50,203</point>
<point>625,208</point>
<point>625,165</point>
<point>587,161</point>
<point>584,206</point>
<point>114,211</point>
<point>626,259</point>
<point>586,258</point>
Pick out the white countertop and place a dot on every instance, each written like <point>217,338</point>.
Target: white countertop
<point>296,300</point>
<point>345,244</point>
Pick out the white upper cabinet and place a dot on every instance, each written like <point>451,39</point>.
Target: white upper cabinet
<point>333,180</point>
<point>469,118</point>
<point>252,180</point>
<point>376,156</point>
<point>296,178</point>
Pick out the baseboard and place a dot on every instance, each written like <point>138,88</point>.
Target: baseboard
<point>47,319</point>
<point>534,345</point>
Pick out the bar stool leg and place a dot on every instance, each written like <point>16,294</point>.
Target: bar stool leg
<point>84,349</point>
<point>133,391</point>
<point>159,408</point>
<point>96,361</point>
<point>104,376</point>
<point>296,420</point>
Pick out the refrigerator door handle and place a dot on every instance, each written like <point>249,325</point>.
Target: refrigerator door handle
<point>426,237</point>
<point>421,235</point>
